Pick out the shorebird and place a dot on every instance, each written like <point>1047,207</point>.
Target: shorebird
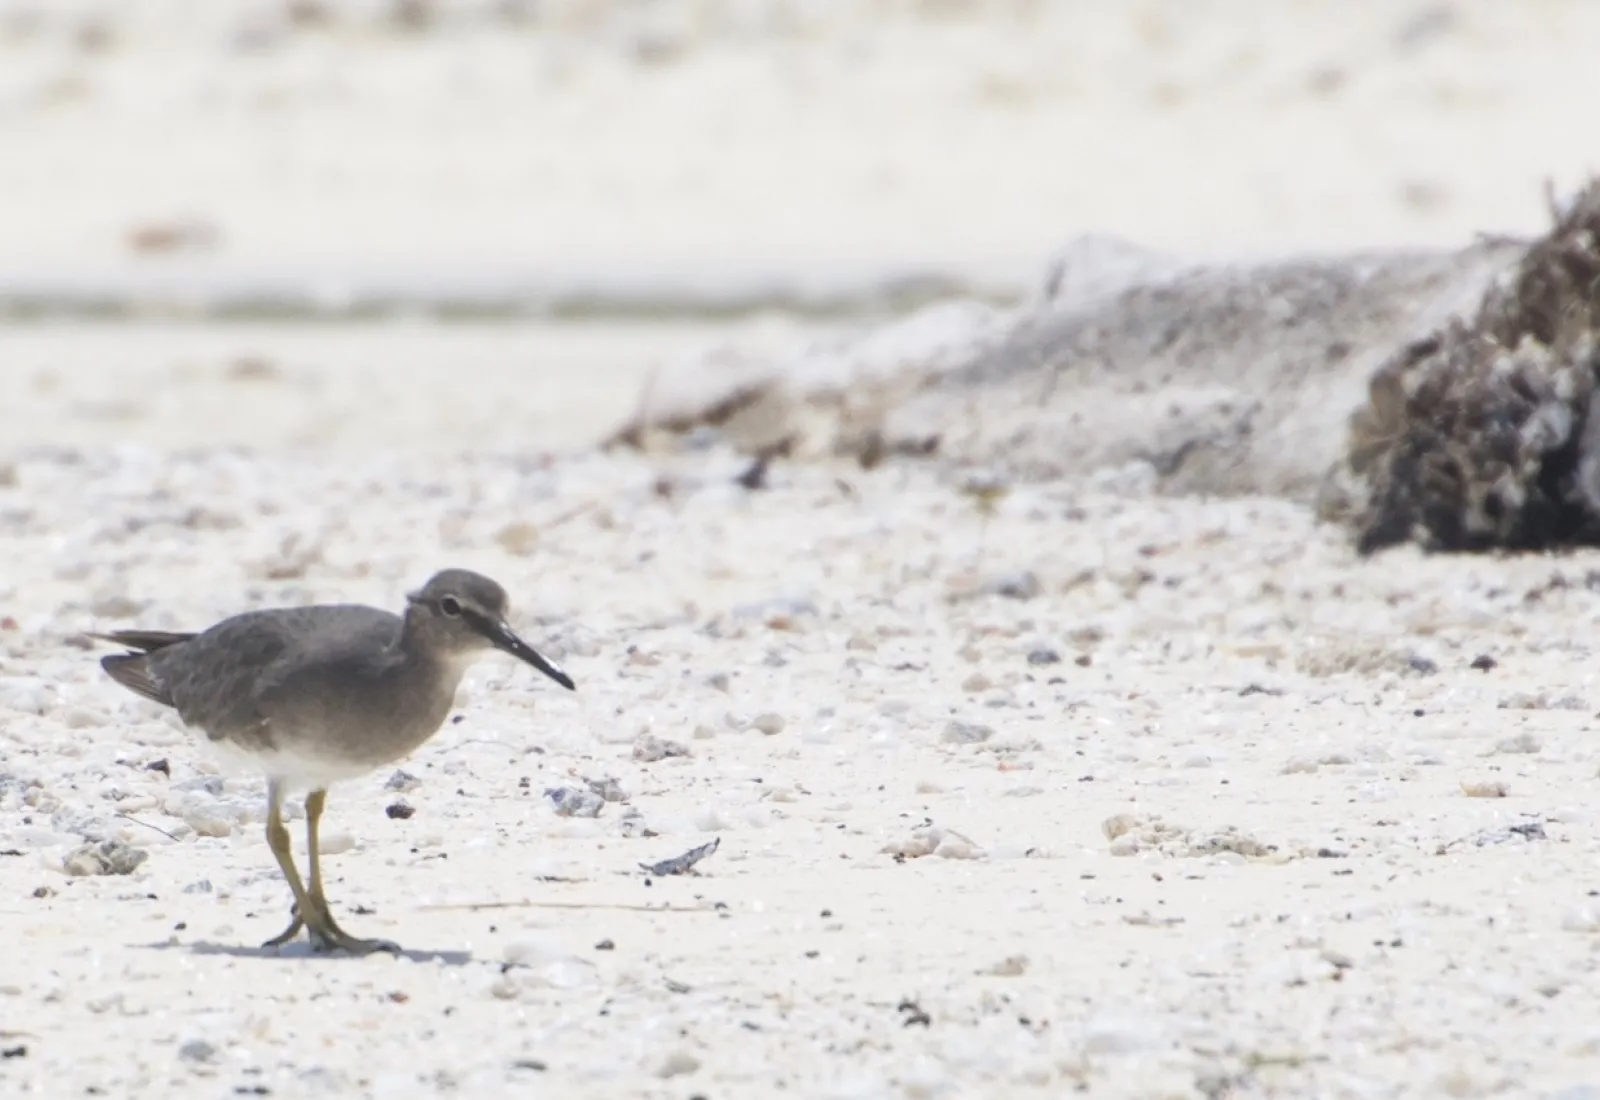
<point>313,695</point>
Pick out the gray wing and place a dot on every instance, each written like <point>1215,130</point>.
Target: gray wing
<point>224,681</point>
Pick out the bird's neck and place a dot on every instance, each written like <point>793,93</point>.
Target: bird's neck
<point>428,678</point>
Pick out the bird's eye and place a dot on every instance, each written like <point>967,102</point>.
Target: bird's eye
<point>450,606</point>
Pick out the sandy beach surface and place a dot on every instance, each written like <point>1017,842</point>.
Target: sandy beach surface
<point>912,731</point>
<point>1095,783</point>
<point>733,149</point>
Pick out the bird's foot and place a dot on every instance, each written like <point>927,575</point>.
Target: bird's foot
<point>289,933</point>
<point>326,936</point>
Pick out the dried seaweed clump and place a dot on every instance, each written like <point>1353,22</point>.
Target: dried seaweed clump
<point>1480,436</point>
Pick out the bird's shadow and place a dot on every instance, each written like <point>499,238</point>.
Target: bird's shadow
<point>302,951</point>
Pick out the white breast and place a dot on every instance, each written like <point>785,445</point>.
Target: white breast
<point>297,771</point>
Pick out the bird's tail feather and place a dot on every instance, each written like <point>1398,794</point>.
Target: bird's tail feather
<point>146,641</point>
<point>132,671</point>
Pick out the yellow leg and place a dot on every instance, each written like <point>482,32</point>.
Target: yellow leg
<point>278,841</point>
<point>326,934</point>
<point>310,906</point>
<point>315,801</point>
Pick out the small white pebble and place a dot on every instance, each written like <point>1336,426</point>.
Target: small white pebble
<point>914,847</point>
<point>711,819</point>
<point>1108,1035</point>
<point>1119,824</point>
<point>207,825</point>
<point>78,718</point>
<point>336,842</point>
<point>528,952</point>
<point>758,817</point>
<point>926,1079</point>
<point>27,698</point>
<point>1583,918</point>
<point>957,847</point>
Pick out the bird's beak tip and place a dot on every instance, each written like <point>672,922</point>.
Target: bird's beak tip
<point>507,639</point>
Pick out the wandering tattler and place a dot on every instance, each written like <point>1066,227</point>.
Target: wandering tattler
<point>312,695</point>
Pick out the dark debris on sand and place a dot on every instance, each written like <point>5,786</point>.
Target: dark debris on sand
<point>681,865</point>
<point>1479,436</point>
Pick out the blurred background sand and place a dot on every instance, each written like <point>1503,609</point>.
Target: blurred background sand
<point>603,162</point>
